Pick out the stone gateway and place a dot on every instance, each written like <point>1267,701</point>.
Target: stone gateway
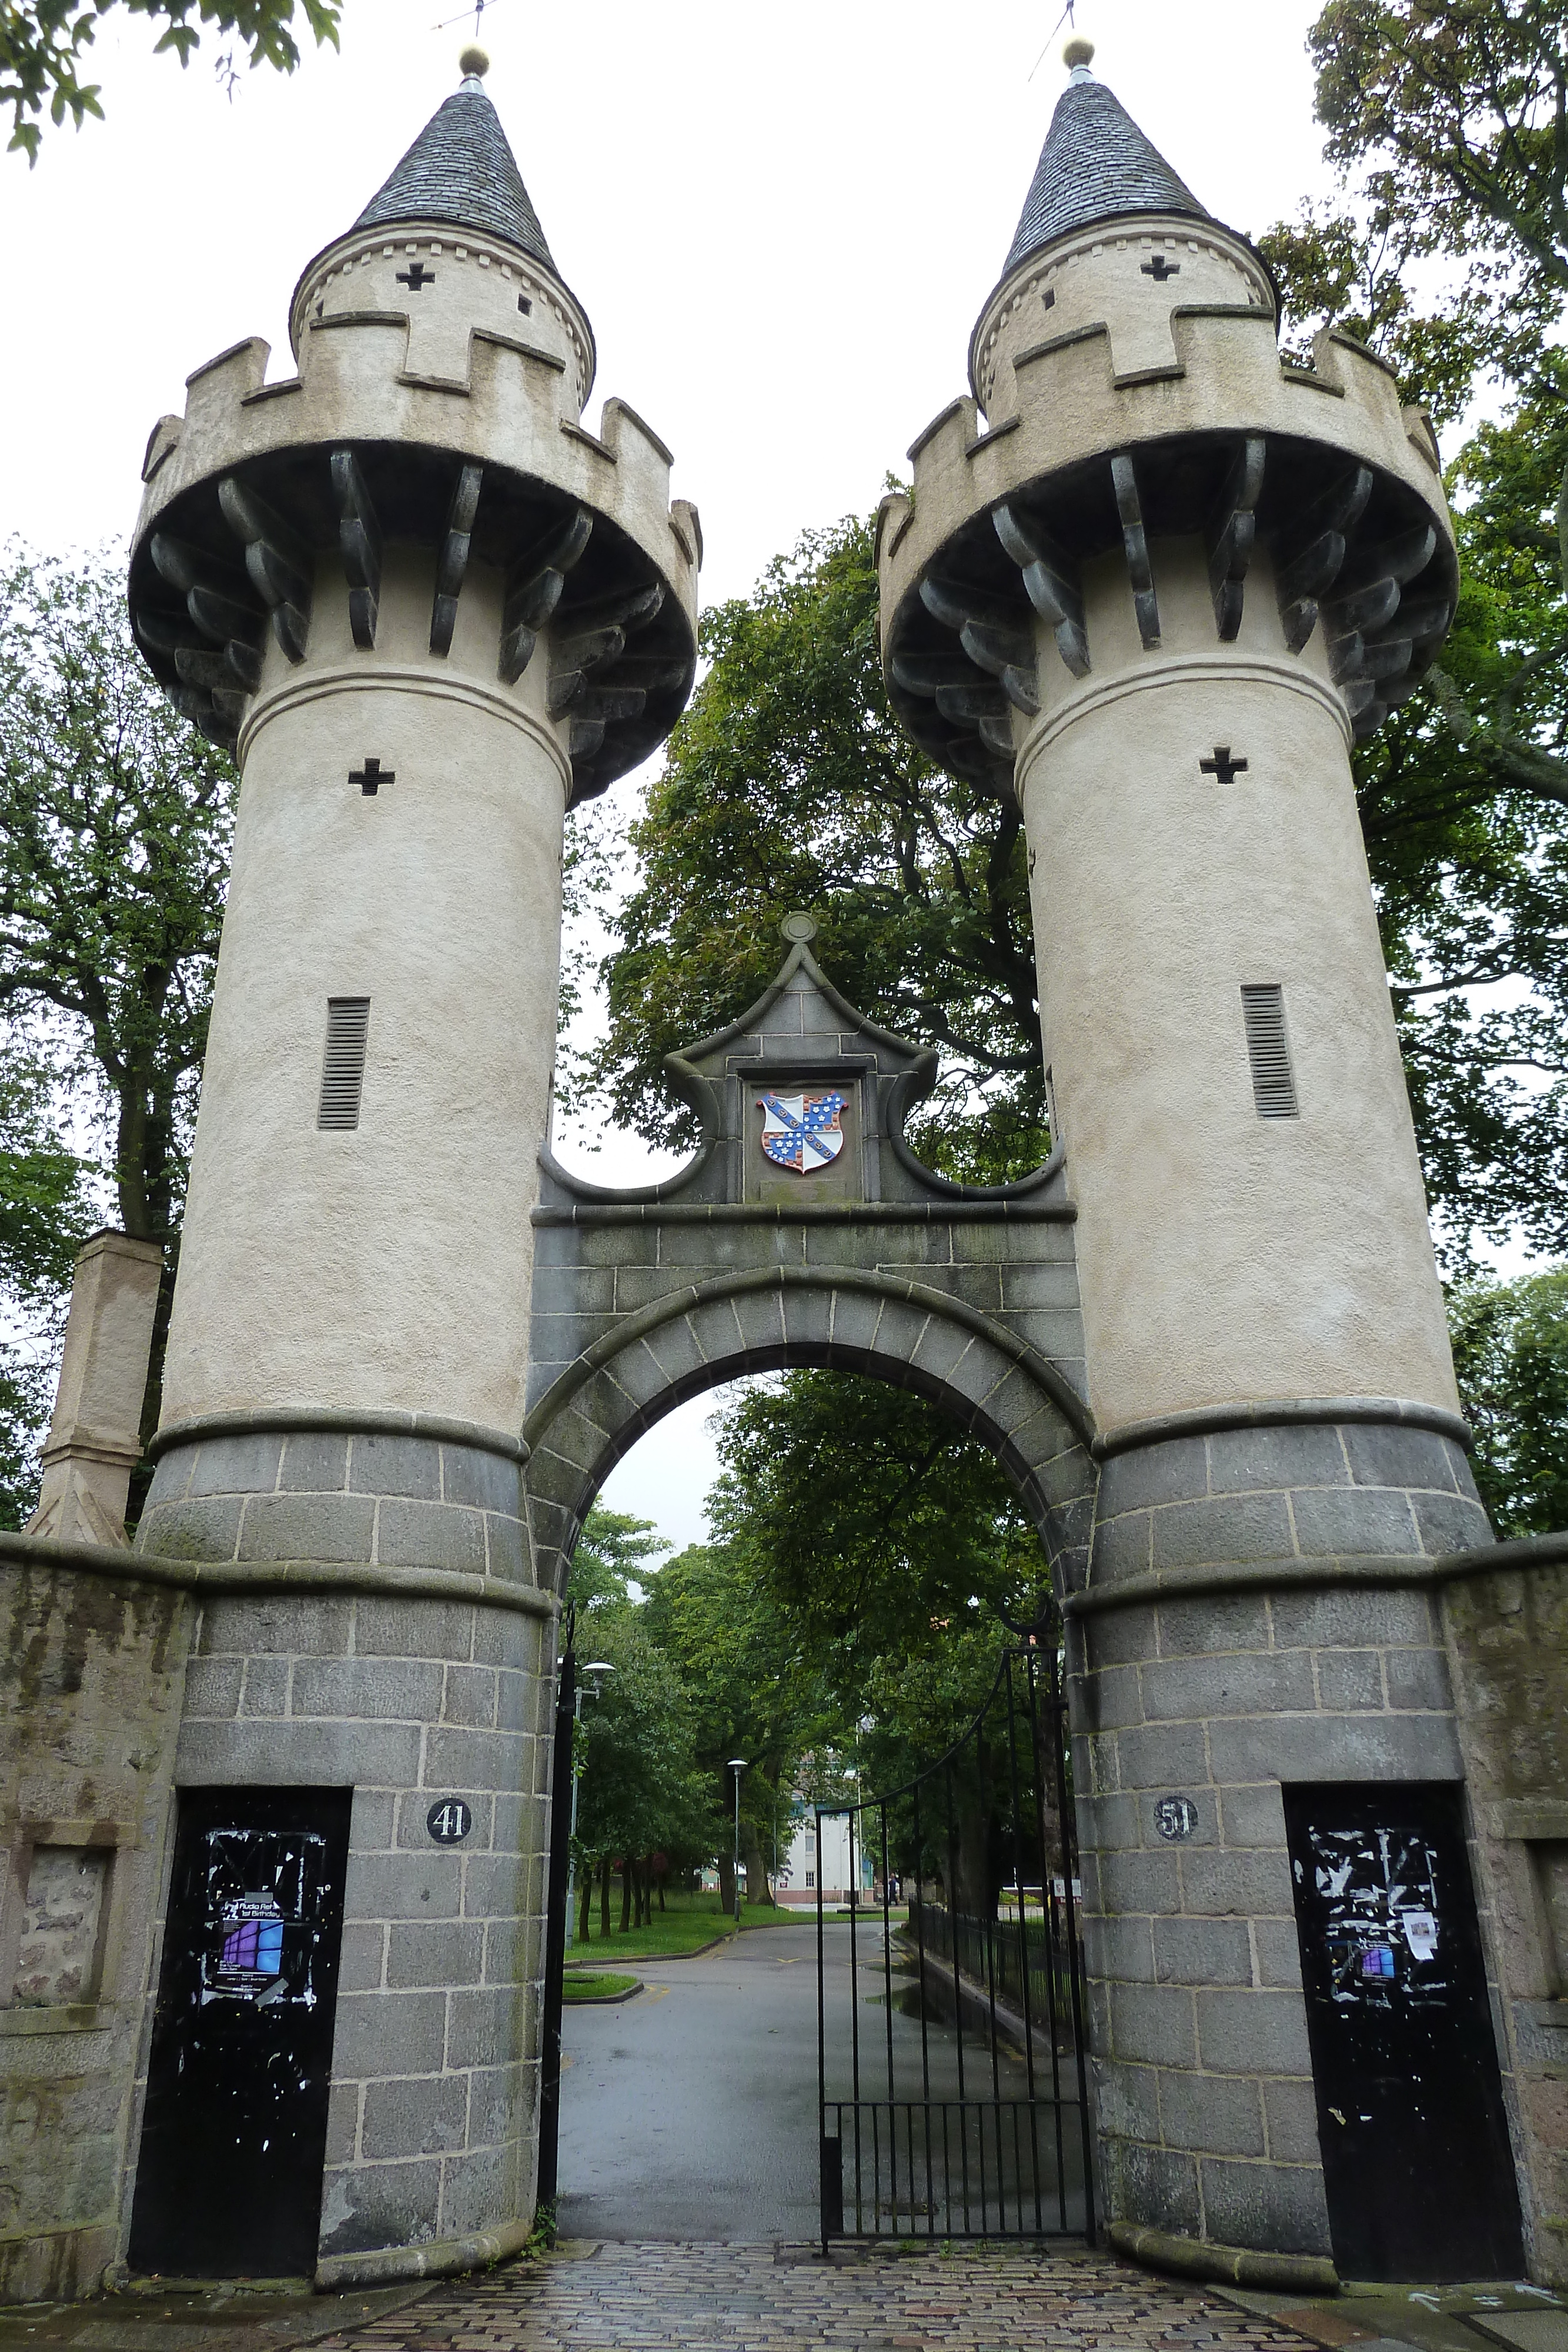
<point>275,1785</point>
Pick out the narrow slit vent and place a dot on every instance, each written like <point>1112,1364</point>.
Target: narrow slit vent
<point>343,1063</point>
<point>1273,1086</point>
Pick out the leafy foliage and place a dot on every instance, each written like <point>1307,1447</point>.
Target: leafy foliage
<point>789,784</point>
<point>1468,837</point>
<point>1450,259</point>
<point>913,1527</point>
<point>46,1210</point>
<point>46,1203</point>
<point>613,1552</point>
<point>1511,1353</point>
<point>115,818</point>
<point>44,44</point>
<point>639,1789</point>
<point>1460,106</point>
<point>26,1398</point>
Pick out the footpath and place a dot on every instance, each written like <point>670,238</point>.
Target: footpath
<point>588,2295</point>
<point>608,2297</point>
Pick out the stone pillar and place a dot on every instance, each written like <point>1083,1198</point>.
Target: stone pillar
<point>94,1441</point>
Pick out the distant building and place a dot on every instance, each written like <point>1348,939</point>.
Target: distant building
<point>841,1871</point>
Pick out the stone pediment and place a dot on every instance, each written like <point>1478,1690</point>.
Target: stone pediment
<point>860,1259</point>
<point>802,1039</point>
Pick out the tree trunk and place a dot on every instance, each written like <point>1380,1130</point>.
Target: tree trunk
<point>756,1867</point>
<point>727,1886</point>
<point>582,1935</point>
<point>626,1893</point>
<point>604,1896</point>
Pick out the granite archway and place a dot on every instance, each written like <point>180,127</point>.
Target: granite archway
<point>869,1264</point>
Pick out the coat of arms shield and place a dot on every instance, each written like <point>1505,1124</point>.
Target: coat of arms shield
<point>801,1132</point>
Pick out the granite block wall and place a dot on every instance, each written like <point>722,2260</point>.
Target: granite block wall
<point>435,2055</point>
<point>1329,1668</point>
<point>407,1493</point>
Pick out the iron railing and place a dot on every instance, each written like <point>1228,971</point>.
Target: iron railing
<point>1026,1965</point>
<point>962,2111</point>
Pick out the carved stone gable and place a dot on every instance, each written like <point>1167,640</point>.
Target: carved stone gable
<point>856,1257</point>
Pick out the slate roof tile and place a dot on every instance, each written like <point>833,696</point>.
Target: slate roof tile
<point>461,169</point>
<point>1095,164</point>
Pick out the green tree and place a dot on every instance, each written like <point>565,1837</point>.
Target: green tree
<point>613,1552</point>
<point>1511,1353</point>
<point>115,819</point>
<point>44,45</point>
<point>750,1691</point>
<point>639,1791</point>
<point>790,783</point>
<point>883,1544</point>
<point>46,1210</point>
<point>1455,108</point>
<point>873,1520</point>
<point>1450,256</point>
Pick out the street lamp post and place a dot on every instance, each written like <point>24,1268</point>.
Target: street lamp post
<point>737,1766</point>
<point>598,1669</point>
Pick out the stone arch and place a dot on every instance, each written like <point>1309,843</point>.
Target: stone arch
<point>909,1334</point>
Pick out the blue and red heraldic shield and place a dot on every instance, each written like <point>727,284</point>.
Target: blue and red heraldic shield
<point>801,1132</point>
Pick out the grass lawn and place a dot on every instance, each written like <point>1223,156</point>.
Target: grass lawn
<point>686,1922</point>
<point>594,1986</point>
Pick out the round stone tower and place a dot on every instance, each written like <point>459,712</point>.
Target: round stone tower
<point>428,608</point>
<point>1156,581</point>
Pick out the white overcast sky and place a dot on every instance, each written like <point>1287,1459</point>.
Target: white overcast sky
<point>782,221</point>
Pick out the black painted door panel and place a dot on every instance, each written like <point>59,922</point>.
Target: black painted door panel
<point>1417,2163</point>
<point>234,2136</point>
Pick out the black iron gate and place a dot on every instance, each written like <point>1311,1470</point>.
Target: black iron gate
<point>961,2110</point>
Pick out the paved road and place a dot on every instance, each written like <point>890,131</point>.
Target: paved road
<point>690,2112</point>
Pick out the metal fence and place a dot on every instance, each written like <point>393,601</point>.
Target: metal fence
<point>1024,1963</point>
<point>961,2111</point>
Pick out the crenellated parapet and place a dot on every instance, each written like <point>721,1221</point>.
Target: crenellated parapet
<point>1120,412</point>
<point>436,407</point>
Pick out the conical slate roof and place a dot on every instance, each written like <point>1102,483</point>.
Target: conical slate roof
<point>461,169</point>
<point>1095,163</point>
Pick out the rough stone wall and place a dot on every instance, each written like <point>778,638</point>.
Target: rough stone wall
<point>91,1677</point>
<point>1507,1632</point>
<point>435,2058</point>
<point>1204,2085</point>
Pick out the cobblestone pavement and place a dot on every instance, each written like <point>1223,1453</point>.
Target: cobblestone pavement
<point>733,2298</point>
